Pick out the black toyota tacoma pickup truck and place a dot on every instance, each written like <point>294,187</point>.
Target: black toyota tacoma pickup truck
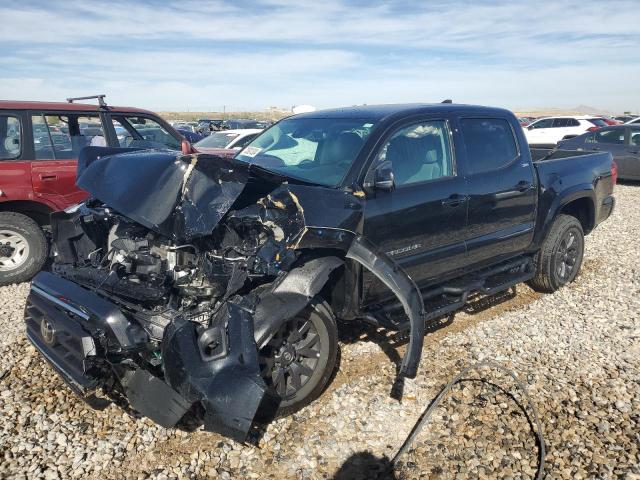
<point>203,288</point>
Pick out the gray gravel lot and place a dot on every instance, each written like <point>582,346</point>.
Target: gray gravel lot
<point>577,351</point>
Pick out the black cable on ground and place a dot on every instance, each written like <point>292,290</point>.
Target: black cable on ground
<point>426,415</point>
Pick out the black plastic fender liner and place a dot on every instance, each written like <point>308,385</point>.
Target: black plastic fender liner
<point>153,398</point>
<point>229,387</point>
<point>291,295</point>
<point>403,286</point>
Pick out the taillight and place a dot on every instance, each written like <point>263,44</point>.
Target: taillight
<point>614,173</point>
<point>592,129</point>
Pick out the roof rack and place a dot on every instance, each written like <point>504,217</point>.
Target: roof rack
<point>100,98</point>
<point>448,100</point>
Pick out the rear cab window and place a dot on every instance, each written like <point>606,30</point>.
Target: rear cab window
<point>490,144</point>
<point>10,137</point>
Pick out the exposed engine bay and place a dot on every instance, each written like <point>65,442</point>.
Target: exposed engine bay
<point>168,282</point>
<point>156,278</point>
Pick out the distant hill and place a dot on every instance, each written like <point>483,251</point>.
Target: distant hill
<point>587,110</point>
<point>549,112</point>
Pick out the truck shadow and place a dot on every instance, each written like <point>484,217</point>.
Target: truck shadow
<point>366,465</point>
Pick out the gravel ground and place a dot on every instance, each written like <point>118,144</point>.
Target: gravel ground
<point>577,351</point>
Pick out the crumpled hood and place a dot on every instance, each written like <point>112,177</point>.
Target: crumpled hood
<point>185,196</point>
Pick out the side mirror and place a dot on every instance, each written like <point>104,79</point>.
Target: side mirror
<point>384,178</point>
<point>186,147</point>
<point>530,127</point>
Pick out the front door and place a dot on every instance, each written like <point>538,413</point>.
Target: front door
<point>419,223</point>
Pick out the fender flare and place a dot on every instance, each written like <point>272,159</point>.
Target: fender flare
<point>291,295</point>
<point>576,192</point>
<point>403,286</point>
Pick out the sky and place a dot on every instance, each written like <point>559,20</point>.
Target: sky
<point>249,55</point>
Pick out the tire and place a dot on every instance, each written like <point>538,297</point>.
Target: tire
<point>317,357</point>
<point>23,248</point>
<point>560,258</point>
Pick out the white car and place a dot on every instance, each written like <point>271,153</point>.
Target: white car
<point>634,121</point>
<point>550,130</point>
<point>227,140</point>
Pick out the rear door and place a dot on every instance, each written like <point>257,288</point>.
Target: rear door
<point>502,190</point>
<point>421,222</point>
<point>563,127</point>
<point>56,139</point>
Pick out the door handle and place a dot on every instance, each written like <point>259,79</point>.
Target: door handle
<point>454,200</point>
<point>48,177</point>
<point>523,186</point>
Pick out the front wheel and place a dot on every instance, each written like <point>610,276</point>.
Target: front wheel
<point>299,360</point>
<point>23,248</point>
<point>560,257</point>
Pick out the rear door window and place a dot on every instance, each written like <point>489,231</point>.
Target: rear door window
<point>634,138</point>
<point>561,122</point>
<point>10,137</point>
<point>60,137</point>
<point>489,142</point>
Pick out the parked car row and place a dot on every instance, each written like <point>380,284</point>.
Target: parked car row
<point>207,126</point>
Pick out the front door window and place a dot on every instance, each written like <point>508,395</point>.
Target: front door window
<point>143,132</point>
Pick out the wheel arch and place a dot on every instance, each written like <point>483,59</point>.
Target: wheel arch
<point>579,202</point>
<point>583,209</point>
<point>37,211</point>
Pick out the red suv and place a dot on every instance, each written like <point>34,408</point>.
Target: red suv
<point>39,146</point>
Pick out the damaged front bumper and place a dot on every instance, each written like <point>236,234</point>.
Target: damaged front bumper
<point>90,343</point>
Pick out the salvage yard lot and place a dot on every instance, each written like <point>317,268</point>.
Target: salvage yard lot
<point>577,351</point>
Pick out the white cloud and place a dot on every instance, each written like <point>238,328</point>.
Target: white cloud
<point>195,54</point>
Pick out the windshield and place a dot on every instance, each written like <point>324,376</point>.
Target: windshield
<point>217,140</point>
<point>317,150</point>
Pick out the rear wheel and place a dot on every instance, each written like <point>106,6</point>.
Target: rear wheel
<point>23,248</point>
<point>560,257</point>
<point>299,360</point>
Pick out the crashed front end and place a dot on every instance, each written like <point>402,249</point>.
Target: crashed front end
<point>166,284</point>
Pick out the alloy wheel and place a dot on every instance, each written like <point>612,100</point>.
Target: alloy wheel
<point>14,250</point>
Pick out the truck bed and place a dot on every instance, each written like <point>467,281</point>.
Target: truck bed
<point>557,170</point>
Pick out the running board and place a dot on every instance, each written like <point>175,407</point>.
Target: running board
<point>449,297</point>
